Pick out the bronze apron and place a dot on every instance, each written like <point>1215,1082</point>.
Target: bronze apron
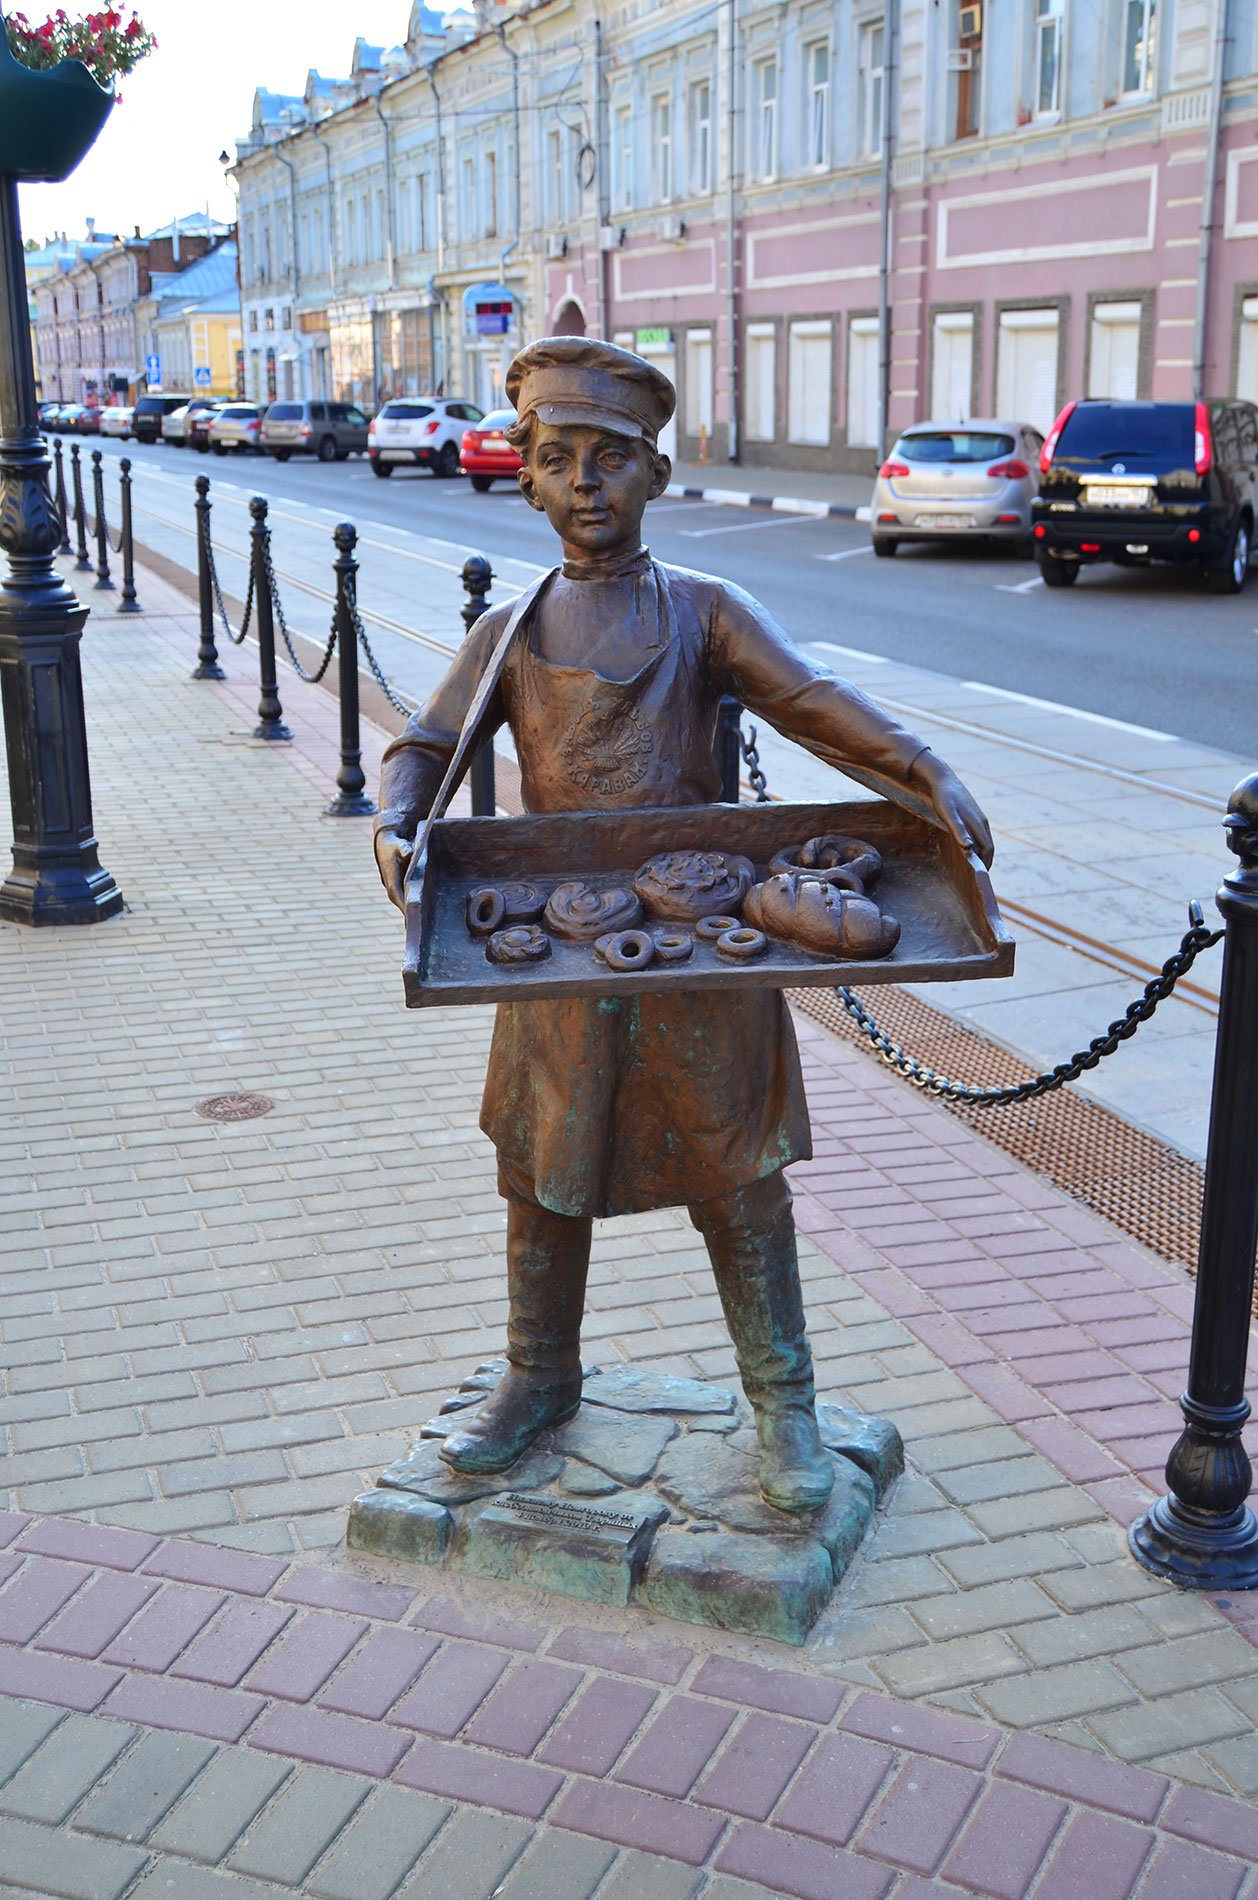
<point>617,1104</point>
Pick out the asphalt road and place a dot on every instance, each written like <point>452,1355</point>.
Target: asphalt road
<point>1150,646</point>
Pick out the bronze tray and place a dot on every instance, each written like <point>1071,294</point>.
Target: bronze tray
<point>949,924</point>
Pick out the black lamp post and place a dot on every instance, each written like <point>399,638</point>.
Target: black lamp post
<point>47,122</point>
<point>1203,1535</point>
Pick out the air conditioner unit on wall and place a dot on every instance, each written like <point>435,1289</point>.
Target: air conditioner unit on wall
<point>556,245</point>
<point>672,230</point>
<point>961,60</point>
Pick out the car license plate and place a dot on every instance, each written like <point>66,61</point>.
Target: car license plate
<point>1110,495</point>
<point>945,521</point>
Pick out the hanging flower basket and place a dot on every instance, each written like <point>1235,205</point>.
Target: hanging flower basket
<point>56,88</point>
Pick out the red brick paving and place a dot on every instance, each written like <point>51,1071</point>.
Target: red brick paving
<point>805,1785</point>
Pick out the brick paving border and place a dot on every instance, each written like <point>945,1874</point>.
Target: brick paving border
<point>812,1788</point>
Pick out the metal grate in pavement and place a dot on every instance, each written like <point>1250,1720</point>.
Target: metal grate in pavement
<point>1143,1186</point>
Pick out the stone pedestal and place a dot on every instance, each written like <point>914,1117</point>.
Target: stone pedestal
<point>649,1495</point>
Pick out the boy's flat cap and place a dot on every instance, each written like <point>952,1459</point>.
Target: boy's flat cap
<point>578,379</point>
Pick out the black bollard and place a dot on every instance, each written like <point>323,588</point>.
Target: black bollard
<point>1203,1536</point>
<point>207,667</point>
<point>128,604</point>
<point>60,496</point>
<point>478,577</point>
<point>728,748</point>
<point>351,800</point>
<point>270,713</point>
<point>103,582</point>
<point>82,557</point>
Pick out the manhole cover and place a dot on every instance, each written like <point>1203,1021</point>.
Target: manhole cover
<point>234,1108</point>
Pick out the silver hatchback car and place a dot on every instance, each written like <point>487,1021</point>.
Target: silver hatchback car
<point>961,481</point>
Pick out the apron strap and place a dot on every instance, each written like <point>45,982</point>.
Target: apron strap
<point>485,689</point>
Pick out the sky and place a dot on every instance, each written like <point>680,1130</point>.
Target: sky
<point>157,157</point>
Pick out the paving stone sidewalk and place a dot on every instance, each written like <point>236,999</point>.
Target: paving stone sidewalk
<point>212,1336</point>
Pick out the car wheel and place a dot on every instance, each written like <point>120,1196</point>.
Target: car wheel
<point>1059,573</point>
<point>281,455</point>
<point>447,463</point>
<point>885,545</point>
<point>482,483</point>
<point>382,469</point>
<point>1233,570</point>
<point>327,448</point>
<point>219,449</point>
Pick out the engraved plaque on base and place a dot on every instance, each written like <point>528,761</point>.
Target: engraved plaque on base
<point>583,1550</point>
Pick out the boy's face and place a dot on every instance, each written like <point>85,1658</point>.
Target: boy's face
<point>592,485</point>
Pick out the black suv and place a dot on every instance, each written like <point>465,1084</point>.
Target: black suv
<point>1135,482</point>
<point>151,412</point>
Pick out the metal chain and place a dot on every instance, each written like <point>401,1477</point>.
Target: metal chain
<point>759,783</point>
<point>273,589</point>
<point>351,595</point>
<point>1195,939</point>
<point>237,639</point>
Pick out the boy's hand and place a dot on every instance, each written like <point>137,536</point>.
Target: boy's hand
<point>394,850</point>
<point>957,809</point>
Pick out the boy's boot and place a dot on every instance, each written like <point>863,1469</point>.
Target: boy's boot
<point>548,1257</point>
<point>750,1237</point>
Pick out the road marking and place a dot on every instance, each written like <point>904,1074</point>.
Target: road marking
<point>851,653</point>
<point>1073,712</point>
<point>746,527</point>
<point>1003,587</point>
<point>844,554</point>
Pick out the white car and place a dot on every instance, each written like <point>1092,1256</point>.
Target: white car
<point>425,431</point>
<point>116,420</point>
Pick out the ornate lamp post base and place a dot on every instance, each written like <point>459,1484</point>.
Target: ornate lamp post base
<point>56,876</point>
<point>1197,1551</point>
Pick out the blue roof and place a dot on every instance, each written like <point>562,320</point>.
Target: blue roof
<point>206,278</point>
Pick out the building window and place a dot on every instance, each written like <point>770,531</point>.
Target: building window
<point>622,159</point>
<point>808,383</point>
<point>469,197</point>
<point>253,319</point>
<point>760,382</point>
<point>698,408</point>
<point>489,179</point>
<point>268,319</point>
<point>1048,23</point>
<point>818,64</point>
<point>862,383</point>
<point>952,366</point>
<point>287,321</point>
<point>764,119</point>
<point>661,149</point>
<point>967,63</point>
<point>1247,351</point>
<point>699,108</point>
<point>554,178</point>
<point>1139,22</point>
<point>1114,360</point>
<point>871,88</point>
<point>1026,367</point>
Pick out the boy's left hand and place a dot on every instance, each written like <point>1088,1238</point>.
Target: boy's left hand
<point>957,809</point>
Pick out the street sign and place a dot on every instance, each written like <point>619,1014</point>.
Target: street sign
<point>201,376</point>
<point>153,371</point>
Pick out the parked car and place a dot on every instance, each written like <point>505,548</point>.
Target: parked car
<point>196,429</point>
<point>150,412</point>
<point>959,481</point>
<point>47,413</point>
<point>330,430</point>
<point>87,422</point>
<point>64,417</point>
<point>420,430</point>
<point>486,455</point>
<point>235,426</point>
<point>175,422</point>
<point>1137,482</point>
<point>116,420</point>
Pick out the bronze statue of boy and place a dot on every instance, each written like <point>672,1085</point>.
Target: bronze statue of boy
<point>611,1106</point>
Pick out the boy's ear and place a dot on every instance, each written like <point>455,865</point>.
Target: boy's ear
<point>525,479</point>
<point>661,476</point>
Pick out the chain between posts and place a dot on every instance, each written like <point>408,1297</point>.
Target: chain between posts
<point>351,597</point>
<point>311,679</point>
<point>1195,939</point>
<point>237,639</point>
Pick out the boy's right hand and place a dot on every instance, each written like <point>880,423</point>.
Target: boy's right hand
<point>394,851</point>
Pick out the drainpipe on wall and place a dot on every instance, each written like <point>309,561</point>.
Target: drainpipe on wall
<point>603,207</point>
<point>292,251</point>
<point>1208,187</point>
<point>439,381</point>
<point>731,234</point>
<point>390,237</point>
<point>889,100</point>
<point>514,57</point>
<point>327,159</point>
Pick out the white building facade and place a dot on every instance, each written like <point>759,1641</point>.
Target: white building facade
<point>824,219</point>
